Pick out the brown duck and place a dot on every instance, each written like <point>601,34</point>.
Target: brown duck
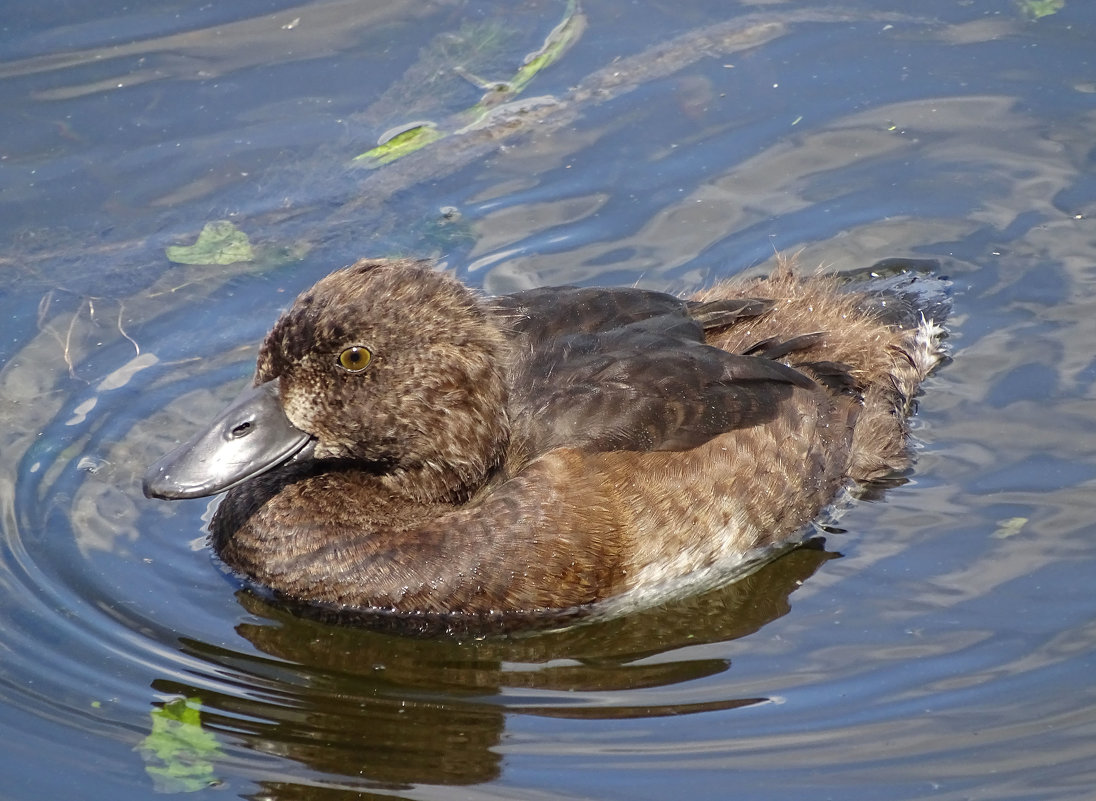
<point>412,447</point>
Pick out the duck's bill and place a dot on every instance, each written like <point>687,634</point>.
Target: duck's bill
<point>248,438</point>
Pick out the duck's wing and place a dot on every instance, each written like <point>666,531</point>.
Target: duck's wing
<point>643,387</point>
<point>546,313</point>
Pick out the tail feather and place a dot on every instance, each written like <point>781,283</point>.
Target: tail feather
<point>883,326</point>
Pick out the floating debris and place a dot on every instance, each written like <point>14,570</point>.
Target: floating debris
<point>398,142</point>
<point>178,752</point>
<point>1037,9</point>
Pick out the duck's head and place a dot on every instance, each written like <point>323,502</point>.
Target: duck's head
<point>387,364</point>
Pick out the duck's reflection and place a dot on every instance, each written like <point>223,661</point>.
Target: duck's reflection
<point>356,706</point>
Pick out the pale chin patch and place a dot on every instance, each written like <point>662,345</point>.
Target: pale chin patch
<point>322,451</point>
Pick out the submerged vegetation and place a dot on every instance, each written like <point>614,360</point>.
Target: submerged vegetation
<point>326,201</point>
<point>414,136</point>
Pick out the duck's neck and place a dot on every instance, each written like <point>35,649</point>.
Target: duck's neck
<point>457,430</point>
<point>291,530</point>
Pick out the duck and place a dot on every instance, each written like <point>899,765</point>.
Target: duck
<point>412,447</point>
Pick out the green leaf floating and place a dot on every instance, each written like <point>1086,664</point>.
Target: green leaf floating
<point>1009,527</point>
<point>220,242</point>
<point>1037,9</point>
<point>178,752</point>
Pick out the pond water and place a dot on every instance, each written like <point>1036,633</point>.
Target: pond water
<point>941,644</point>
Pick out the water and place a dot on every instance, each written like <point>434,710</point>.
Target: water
<point>941,645</point>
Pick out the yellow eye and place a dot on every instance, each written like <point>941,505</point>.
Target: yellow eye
<point>355,359</point>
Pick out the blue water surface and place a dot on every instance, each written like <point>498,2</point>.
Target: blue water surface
<point>939,645</point>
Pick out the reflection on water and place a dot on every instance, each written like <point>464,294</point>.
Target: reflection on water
<point>349,701</point>
<point>948,654</point>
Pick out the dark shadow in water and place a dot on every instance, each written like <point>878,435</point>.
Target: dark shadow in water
<point>390,712</point>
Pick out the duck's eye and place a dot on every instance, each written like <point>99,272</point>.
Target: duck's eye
<point>355,359</point>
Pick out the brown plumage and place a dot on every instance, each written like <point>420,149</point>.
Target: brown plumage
<point>559,448</point>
